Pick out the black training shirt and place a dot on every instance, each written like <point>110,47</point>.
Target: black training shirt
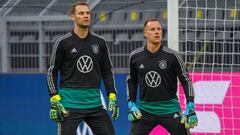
<point>82,63</point>
<point>157,73</point>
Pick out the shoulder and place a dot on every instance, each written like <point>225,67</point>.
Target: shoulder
<point>136,52</point>
<point>97,37</point>
<point>173,54</point>
<point>170,51</point>
<point>62,38</point>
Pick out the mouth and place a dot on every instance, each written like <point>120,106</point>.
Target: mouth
<point>157,37</point>
<point>86,20</point>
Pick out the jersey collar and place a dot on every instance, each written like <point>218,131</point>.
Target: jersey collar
<point>82,39</point>
<point>152,54</point>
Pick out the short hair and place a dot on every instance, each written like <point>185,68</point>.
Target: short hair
<point>72,9</point>
<point>151,20</point>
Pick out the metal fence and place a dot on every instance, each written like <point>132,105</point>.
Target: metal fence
<point>29,40</point>
<point>26,41</point>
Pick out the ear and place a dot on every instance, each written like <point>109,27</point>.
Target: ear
<point>144,33</point>
<point>73,17</point>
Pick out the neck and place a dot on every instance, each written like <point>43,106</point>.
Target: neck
<point>153,47</point>
<point>81,32</point>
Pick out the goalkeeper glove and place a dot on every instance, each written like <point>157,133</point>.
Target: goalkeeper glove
<point>189,117</point>
<point>57,111</point>
<point>134,112</point>
<point>113,106</point>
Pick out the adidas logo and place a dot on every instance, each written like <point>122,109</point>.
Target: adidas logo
<point>175,116</point>
<point>73,50</point>
<point>141,66</point>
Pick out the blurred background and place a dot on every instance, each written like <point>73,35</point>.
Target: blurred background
<point>207,36</point>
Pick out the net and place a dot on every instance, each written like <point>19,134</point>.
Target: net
<point>209,42</point>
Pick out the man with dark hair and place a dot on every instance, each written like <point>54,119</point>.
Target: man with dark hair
<point>82,59</point>
<point>156,68</point>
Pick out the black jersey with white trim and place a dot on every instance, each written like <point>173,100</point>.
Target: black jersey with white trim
<point>157,73</point>
<point>82,63</point>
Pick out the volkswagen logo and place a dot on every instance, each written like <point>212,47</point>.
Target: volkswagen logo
<point>85,64</point>
<point>152,79</point>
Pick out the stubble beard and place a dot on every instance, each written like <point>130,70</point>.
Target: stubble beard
<point>83,26</point>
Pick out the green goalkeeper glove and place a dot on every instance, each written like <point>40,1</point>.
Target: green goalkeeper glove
<point>113,106</point>
<point>189,117</point>
<point>57,111</point>
<point>134,112</point>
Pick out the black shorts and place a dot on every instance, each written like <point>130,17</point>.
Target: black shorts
<point>97,119</point>
<point>171,122</point>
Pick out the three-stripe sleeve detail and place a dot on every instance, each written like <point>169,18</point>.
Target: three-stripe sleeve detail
<point>183,69</point>
<point>138,50</point>
<point>51,85</point>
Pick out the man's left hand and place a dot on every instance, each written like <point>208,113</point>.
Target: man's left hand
<point>189,117</point>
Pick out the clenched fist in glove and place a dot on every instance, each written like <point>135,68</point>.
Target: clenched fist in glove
<point>189,117</point>
<point>57,111</point>
<point>113,106</point>
<point>134,112</point>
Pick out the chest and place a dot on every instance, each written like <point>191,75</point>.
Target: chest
<point>76,50</point>
<point>160,64</point>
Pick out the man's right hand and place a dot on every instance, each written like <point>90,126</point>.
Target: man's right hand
<point>57,111</point>
<point>134,112</point>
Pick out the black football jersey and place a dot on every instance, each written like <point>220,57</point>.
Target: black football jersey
<point>82,63</point>
<point>156,74</point>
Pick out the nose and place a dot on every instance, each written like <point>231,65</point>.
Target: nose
<point>157,31</point>
<point>85,15</point>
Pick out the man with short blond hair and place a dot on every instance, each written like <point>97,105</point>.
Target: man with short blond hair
<point>82,59</point>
